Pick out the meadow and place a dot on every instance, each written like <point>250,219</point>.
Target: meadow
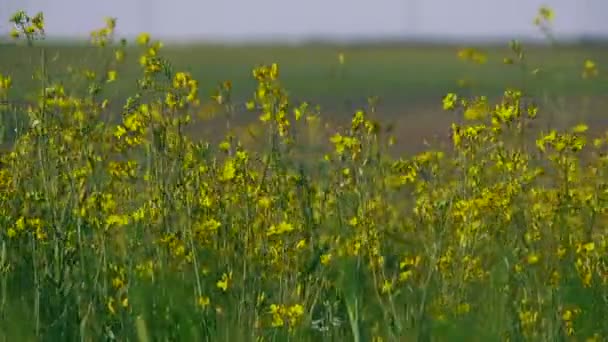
<point>380,192</point>
<point>409,80</point>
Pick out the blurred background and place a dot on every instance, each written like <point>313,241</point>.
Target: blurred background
<point>336,20</point>
<point>339,53</point>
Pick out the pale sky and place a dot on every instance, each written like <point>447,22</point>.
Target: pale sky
<point>297,19</point>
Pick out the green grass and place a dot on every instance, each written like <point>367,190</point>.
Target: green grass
<point>409,80</point>
<point>401,75</point>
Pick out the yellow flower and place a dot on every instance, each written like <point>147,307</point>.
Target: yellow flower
<point>404,276</point>
<point>463,308</point>
<point>118,283</point>
<point>301,244</point>
<point>281,228</point>
<point>277,321</point>
<point>11,232</point>
<point>203,301</point>
<point>477,110</point>
<point>229,171</point>
<point>265,117</point>
<point>545,15</point>
<point>274,71</point>
<point>580,128</point>
<point>5,82</point>
<point>590,69</point>
<point>277,312</point>
<point>223,283</point>
<point>110,306</point>
<point>387,286</point>
<point>143,39</point>
<point>119,131</point>
<point>118,220</point>
<point>110,23</point>
<point>470,54</point>
<point>326,259</point>
<point>119,55</point>
<point>587,247</point>
<point>294,313</point>
<point>111,76</point>
<point>449,101</point>
<point>296,310</point>
<point>265,202</point>
<point>533,258</point>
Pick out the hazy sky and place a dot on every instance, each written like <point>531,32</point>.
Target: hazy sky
<point>295,19</point>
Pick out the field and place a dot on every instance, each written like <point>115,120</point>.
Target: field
<point>196,192</point>
<point>409,80</point>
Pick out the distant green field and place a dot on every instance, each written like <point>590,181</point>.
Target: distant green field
<point>400,75</point>
<point>408,80</point>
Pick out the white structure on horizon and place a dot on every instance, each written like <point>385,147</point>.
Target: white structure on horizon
<point>293,20</point>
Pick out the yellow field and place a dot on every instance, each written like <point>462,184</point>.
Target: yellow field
<point>124,227</point>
